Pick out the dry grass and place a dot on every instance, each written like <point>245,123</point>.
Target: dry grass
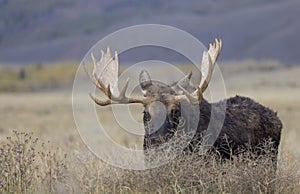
<point>49,116</point>
<point>28,166</point>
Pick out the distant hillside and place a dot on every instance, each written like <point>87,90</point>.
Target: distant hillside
<point>48,31</point>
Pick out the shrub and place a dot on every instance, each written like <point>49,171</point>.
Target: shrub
<point>25,166</point>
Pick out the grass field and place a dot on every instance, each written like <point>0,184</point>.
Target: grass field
<point>49,116</point>
<point>37,77</point>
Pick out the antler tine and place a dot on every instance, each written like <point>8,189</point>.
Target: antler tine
<point>100,102</point>
<point>105,75</point>
<point>194,99</point>
<point>90,76</point>
<point>98,84</point>
<point>215,50</point>
<point>94,60</point>
<point>102,56</point>
<point>209,64</point>
<point>123,91</point>
<point>121,101</point>
<point>109,94</point>
<point>209,59</point>
<point>206,78</point>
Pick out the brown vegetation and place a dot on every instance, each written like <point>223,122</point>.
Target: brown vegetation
<point>28,166</point>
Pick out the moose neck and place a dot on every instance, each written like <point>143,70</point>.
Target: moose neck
<point>205,114</point>
<point>168,131</point>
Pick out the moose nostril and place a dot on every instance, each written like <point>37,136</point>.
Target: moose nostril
<point>158,113</point>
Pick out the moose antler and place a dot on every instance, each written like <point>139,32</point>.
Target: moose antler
<point>105,78</point>
<point>209,59</point>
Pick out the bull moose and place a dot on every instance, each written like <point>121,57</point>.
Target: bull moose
<point>245,121</point>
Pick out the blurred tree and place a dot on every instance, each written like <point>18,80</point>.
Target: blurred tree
<point>22,73</point>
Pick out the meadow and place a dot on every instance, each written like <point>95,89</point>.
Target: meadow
<point>44,152</point>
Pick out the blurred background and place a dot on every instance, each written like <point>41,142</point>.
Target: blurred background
<point>50,31</point>
<point>42,43</point>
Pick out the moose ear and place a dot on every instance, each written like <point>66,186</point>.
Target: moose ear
<point>185,81</point>
<point>145,80</point>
